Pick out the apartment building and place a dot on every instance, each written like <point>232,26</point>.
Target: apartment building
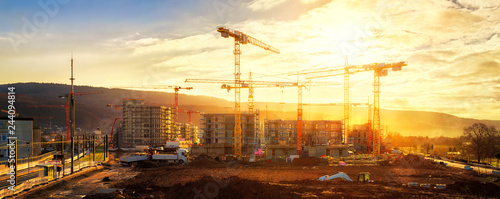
<point>314,132</point>
<point>145,124</point>
<point>218,128</point>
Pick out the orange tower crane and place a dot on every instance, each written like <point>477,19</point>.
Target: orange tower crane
<point>240,38</point>
<point>379,69</point>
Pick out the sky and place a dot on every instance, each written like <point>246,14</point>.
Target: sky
<point>452,47</point>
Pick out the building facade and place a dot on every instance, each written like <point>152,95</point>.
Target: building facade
<point>145,124</point>
<point>189,132</point>
<point>28,139</point>
<point>216,136</point>
<point>315,132</point>
<point>219,129</point>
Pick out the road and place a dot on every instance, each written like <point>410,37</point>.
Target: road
<point>461,165</point>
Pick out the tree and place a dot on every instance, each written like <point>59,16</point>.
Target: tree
<point>481,138</point>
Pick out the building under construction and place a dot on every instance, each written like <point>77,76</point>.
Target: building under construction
<point>315,132</point>
<point>189,132</point>
<point>359,137</point>
<point>217,133</point>
<point>145,124</point>
<point>320,137</point>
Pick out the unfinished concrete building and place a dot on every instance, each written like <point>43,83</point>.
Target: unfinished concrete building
<point>217,133</point>
<point>145,124</point>
<point>189,132</point>
<point>359,137</point>
<point>280,132</point>
<point>320,137</point>
<point>315,132</point>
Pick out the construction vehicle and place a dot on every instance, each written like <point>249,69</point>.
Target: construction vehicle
<point>166,156</point>
<point>133,158</point>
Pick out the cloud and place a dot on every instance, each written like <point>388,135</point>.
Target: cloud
<point>265,4</point>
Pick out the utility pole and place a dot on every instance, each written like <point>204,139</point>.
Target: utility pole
<point>72,116</point>
<point>62,153</point>
<point>93,148</point>
<point>105,147</point>
<point>72,153</point>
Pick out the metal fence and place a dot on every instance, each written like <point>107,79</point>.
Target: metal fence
<point>32,159</point>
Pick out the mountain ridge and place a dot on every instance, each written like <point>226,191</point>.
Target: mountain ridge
<point>92,111</point>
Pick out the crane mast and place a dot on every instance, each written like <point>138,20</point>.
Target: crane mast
<point>379,69</point>
<point>240,38</point>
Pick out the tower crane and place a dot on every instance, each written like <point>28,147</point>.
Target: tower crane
<point>240,38</point>
<point>17,114</point>
<point>267,84</point>
<point>67,96</point>
<point>65,106</point>
<point>229,84</point>
<point>379,69</point>
<point>189,112</point>
<point>6,111</point>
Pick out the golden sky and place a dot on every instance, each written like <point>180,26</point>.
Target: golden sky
<point>452,47</point>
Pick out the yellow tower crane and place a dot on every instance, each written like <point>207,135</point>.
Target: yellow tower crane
<point>240,38</point>
<point>379,69</point>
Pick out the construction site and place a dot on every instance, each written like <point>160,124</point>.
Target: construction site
<point>242,154</point>
<point>180,130</point>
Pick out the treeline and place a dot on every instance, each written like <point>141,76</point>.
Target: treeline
<point>399,140</point>
<point>478,141</point>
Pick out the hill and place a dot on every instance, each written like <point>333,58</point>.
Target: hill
<point>92,111</point>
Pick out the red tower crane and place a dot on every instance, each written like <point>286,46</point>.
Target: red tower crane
<point>176,90</point>
<point>66,106</point>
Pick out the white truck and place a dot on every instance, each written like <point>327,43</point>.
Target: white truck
<point>133,158</point>
<point>170,156</point>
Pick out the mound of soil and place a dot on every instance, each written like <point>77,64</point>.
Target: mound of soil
<point>412,161</point>
<point>205,161</point>
<point>233,187</point>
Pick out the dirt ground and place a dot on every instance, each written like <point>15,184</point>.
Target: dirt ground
<point>206,178</point>
<point>216,179</point>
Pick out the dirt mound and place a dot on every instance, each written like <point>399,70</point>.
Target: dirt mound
<point>234,187</point>
<point>412,161</point>
<point>306,161</point>
<point>205,161</point>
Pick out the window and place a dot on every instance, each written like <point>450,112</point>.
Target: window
<point>3,137</point>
